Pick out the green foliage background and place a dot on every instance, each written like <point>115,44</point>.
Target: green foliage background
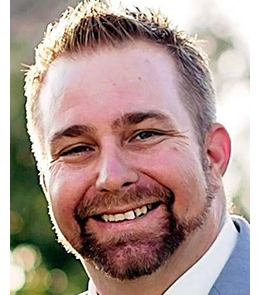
<point>40,263</point>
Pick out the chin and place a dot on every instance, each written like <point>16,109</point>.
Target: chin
<point>133,255</point>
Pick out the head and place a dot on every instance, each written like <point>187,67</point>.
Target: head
<point>92,26</point>
<point>121,115</point>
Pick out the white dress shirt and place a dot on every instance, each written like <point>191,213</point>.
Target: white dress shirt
<point>202,275</point>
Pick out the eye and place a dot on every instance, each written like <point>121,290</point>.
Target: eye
<point>76,150</point>
<point>143,135</point>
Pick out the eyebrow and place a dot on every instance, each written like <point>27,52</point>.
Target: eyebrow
<point>138,117</point>
<point>73,131</point>
<point>125,120</point>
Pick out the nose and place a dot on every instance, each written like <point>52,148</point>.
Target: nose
<point>115,173</point>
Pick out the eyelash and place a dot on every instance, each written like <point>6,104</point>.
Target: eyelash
<point>152,133</point>
<point>76,150</point>
<point>83,148</point>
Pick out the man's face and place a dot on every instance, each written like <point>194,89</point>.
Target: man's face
<point>125,181</point>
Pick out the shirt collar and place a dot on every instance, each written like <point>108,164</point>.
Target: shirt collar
<point>202,275</point>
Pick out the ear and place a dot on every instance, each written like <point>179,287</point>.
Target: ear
<point>218,149</point>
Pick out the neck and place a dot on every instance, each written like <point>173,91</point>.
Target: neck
<point>189,252</point>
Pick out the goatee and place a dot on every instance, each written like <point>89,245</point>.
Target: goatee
<point>139,253</point>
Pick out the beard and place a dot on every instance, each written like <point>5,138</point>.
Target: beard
<point>131,255</point>
<point>142,252</point>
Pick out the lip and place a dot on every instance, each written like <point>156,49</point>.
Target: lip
<point>124,209</point>
<point>139,222</point>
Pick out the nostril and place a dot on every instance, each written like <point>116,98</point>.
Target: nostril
<point>127,183</point>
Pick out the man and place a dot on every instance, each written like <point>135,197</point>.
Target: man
<point>121,115</point>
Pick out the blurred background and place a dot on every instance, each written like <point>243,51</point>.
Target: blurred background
<point>39,265</point>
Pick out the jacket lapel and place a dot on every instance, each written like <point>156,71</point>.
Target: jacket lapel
<point>235,277</point>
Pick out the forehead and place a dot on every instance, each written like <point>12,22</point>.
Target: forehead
<point>107,83</point>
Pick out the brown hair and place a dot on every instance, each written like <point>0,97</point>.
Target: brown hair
<point>91,25</point>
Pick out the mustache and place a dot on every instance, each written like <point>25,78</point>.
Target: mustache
<point>139,195</point>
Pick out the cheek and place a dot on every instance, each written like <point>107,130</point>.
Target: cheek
<point>65,189</point>
<point>190,192</point>
<point>182,173</point>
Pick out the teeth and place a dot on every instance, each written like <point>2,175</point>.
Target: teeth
<point>132,214</point>
<point>105,217</point>
<point>138,212</point>
<point>129,215</point>
<point>144,209</point>
<point>119,217</point>
<point>111,217</point>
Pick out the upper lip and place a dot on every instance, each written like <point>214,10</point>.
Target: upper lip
<point>123,209</point>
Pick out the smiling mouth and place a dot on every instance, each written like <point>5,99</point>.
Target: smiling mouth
<point>129,215</point>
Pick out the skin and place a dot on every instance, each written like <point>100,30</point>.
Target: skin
<point>97,91</point>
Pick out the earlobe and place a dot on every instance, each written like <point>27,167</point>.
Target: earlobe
<point>218,148</point>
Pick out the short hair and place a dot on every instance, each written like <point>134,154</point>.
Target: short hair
<point>92,25</point>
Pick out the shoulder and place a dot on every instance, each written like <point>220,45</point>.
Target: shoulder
<point>243,241</point>
<point>235,276</point>
<point>84,293</point>
<point>241,224</point>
